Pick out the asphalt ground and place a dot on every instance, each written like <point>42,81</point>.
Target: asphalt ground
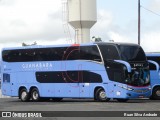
<point>72,105</point>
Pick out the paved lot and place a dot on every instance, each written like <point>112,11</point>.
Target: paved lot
<point>9,104</point>
<point>14,104</point>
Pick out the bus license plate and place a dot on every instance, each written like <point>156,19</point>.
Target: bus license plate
<point>141,96</point>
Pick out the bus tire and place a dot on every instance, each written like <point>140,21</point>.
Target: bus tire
<point>156,93</point>
<point>122,100</point>
<point>57,99</point>
<point>24,95</point>
<point>100,95</point>
<point>35,95</point>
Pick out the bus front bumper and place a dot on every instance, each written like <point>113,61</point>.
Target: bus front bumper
<point>134,93</point>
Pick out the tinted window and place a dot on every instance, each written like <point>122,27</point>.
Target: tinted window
<point>90,53</point>
<point>39,54</point>
<point>152,66</point>
<point>115,72</point>
<point>68,77</point>
<point>52,54</point>
<point>156,59</point>
<point>131,53</point>
<point>109,52</point>
<point>6,78</point>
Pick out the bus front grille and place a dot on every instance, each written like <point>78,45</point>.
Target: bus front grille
<point>141,91</point>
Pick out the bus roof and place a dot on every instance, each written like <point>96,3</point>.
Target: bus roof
<point>66,45</point>
<point>153,54</point>
<point>44,46</point>
<point>116,43</point>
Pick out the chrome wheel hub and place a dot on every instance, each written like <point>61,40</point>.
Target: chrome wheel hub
<point>35,95</point>
<point>158,93</point>
<point>102,95</point>
<point>24,95</point>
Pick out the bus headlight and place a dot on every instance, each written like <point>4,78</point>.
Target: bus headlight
<point>127,88</point>
<point>149,88</point>
<point>130,89</point>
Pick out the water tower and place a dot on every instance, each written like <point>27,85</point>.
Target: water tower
<point>82,16</point>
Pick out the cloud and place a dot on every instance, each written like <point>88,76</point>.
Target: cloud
<point>103,25</point>
<point>41,20</point>
<point>119,37</point>
<point>151,41</point>
<point>6,2</point>
<point>154,5</point>
<point>30,20</point>
<point>107,29</point>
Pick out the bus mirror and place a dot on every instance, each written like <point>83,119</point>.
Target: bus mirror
<point>128,66</point>
<point>155,63</point>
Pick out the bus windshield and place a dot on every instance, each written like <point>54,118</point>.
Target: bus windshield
<point>131,53</point>
<point>134,55</point>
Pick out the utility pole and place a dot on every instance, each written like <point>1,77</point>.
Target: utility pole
<point>139,22</point>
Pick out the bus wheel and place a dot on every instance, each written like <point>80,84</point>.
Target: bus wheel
<point>57,99</point>
<point>122,100</point>
<point>24,95</point>
<point>100,95</point>
<point>156,93</point>
<point>35,94</point>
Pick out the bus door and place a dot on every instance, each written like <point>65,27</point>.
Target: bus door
<point>118,91</point>
<point>114,76</point>
<point>6,85</point>
<point>110,92</point>
<point>115,82</point>
<point>84,89</point>
<point>84,82</point>
<point>115,89</point>
<point>13,83</point>
<point>118,84</point>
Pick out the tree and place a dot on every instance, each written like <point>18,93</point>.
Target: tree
<point>24,44</point>
<point>96,39</point>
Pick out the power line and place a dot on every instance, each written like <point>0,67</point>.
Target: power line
<point>150,11</point>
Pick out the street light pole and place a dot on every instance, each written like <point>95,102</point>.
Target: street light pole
<point>139,22</point>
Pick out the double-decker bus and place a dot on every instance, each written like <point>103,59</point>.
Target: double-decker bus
<point>96,70</point>
<point>155,74</point>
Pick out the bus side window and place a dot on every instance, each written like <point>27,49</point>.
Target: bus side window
<point>90,53</point>
<point>6,55</point>
<point>156,59</point>
<point>152,66</point>
<point>14,55</point>
<point>109,52</point>
<point>71,53</point>
<point>84,53</point>
<point>112,52</point>
<point>114,70</point>
<point>95,54</point>
<point>41,55</point>
<point>55,54</point>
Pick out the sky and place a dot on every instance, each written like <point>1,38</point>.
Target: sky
<point>41,21</point>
